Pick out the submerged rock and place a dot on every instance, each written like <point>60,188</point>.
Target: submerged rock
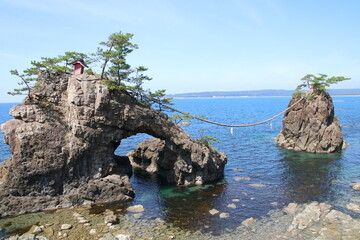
<point>310,125</point>
<point>63,142</point>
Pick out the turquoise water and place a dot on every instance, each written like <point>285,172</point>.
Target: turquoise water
<point>285,176</point>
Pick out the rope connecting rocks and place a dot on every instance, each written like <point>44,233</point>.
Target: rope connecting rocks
<point>237,125</point>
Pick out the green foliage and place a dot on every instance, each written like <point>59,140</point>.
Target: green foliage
<point>318,83</point>
<point>115,51</point>
<point>207,140</point>
<point>119,74</point>
<point>182,119</point>
<point>29,76</point>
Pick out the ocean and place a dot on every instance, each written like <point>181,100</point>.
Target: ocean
<point>280,176</point>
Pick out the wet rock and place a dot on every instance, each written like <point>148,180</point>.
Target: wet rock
<point>213,211</point>
<point>224,215</point>
<point>136,208</point>
<point>112,219</point>
<point>248,222</point>
<point>353,207</point>
<point>242,178</point>
<point>310,125</point>
<point>356,186</point>
<point>306,218</point>
<point>231,205</point>
<point>257,185</point>
<point>66,226</point>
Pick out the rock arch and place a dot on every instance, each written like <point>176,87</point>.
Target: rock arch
<point>63,144</point>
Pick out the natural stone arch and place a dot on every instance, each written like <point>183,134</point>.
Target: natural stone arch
<point>63,144</point>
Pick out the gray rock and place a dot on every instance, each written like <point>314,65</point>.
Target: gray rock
<point>248,222</point>
<point>122,237</point>
<point>311,126</point>
<point>38,229</point>
<point>108,236</point>
<point>27,237</point>
<point>65,140</point>
<point>291,208</point>
<point>66,226</point>
<point>112,219</point>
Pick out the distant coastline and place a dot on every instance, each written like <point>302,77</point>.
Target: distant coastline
<point>257,93</point>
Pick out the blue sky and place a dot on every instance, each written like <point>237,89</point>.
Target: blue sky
<point>192,45</point>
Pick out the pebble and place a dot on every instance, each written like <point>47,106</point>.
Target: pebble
<point>235,200</point>
<point>122,237</point>
<point>82,221</point>
<point>224,215</point>
<point>231,205</point>
<point>112,219</point>
<point>66,226</point>
<point>136,208</point>
<point>38,229</point>
<point>213,211</point>
<point>92,231</point>
<point>77,214</point>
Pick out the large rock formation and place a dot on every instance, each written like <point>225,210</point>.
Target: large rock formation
<point>310,125</point>
<point>63,142</point>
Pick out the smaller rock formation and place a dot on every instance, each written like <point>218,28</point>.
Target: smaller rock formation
<point>171,162</point>
<point>310,125</point>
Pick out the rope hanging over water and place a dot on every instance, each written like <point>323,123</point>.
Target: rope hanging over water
<point>239,125</point>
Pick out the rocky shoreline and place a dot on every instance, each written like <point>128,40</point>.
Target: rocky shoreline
<point>318,221</point>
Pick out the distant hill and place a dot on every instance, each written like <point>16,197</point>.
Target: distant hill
<point>257,93</point>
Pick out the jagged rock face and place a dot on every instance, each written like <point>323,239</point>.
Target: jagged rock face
<point>63,142</point>
<point>161,157</point>
<point>311,126</point>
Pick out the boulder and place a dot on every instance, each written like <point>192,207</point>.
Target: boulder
<point>172,161</point>
<point>310,125</point>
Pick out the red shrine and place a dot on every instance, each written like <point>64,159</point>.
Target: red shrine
<point>79,66</point>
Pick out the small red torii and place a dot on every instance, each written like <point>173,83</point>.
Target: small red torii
<point>79,66</point>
